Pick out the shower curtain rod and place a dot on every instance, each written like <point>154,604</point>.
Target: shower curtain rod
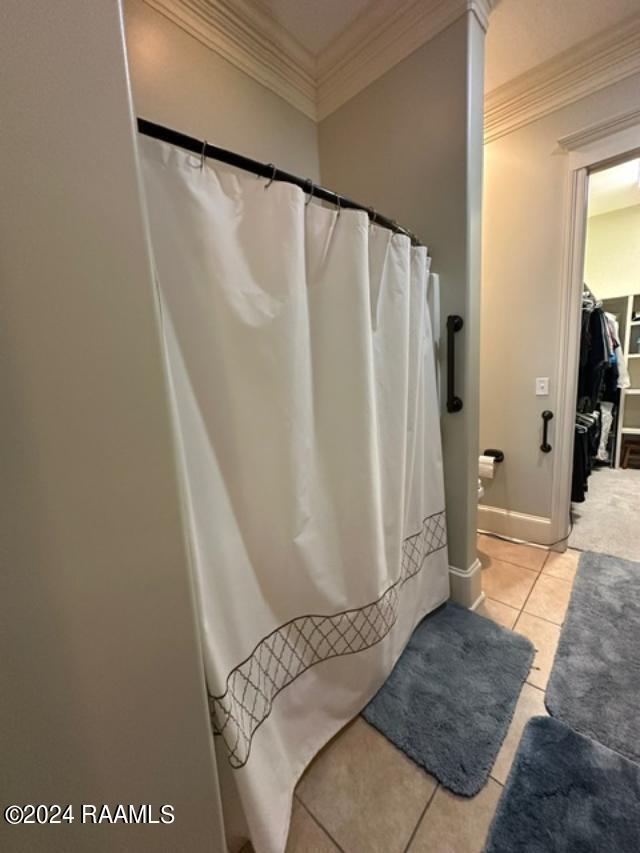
<point>266,170</point>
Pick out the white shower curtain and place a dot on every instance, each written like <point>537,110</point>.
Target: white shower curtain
<point>301,365</point>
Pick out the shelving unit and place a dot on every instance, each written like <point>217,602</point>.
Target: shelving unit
<point>629,411</point>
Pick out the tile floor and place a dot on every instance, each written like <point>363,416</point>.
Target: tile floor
<point>362,795</point>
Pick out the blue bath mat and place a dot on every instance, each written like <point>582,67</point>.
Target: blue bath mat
<point>567,794</point>
<point>595,682</point>
<point>450,698</point>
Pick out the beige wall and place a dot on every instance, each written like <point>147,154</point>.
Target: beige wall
<point>410,145</point>
<point>180,83</point>
<point>524,229</point>
<point>612,257</point>
<point>102,697</point>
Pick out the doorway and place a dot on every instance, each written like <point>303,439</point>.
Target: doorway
<point>605,480</point>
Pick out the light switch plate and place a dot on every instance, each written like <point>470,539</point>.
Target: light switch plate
<point>542,386</point>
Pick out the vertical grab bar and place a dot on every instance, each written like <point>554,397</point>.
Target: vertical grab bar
<point>545,447</point>
<point>454,324</point>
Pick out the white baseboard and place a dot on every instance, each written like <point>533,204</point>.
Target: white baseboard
<point>466,584</point>
<point>518,525</point>
<point>473,569</point>
<point>478,601</point>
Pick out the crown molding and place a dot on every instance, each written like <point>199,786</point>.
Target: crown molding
<point>587,67</point>
<point>600,130</point>
<point>373,43</point>
<point>251,40</point>
<point>247,36</point>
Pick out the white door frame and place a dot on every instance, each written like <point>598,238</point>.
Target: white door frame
<point>595,146</point>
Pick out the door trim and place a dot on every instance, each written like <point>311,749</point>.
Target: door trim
<point>585,156</point>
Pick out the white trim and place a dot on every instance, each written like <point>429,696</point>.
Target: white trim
<point>591,65</point>
<point>517,525</point>
<point>479,600</point>
<point>466,584</point>
<point>376,41</point>
<point>604,149</point>
<point>595,151</point>
<point>466,573</point>
<point>599,130</point>
<point>568,334</point>
<point>246,35</point>
<point>251,40</point>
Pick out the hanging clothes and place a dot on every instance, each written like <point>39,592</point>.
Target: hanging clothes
<point>597,376</point>
<point>594,356</point>
<point>301,364</point>
<point>602,373</point>
<point>606,418</point>
<point>585,446</point>
<point>623,379</point>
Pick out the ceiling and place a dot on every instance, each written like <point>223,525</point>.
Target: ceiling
<point>314,24</point>
<point>614,188</point>
<point>318,54</point>
<point>521,35</point>
<point>525,33</point>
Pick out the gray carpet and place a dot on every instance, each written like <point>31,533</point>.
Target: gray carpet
<point>566,794</point>
<point>595,681</point>
<point>450,698</point>
<point>607,522</point>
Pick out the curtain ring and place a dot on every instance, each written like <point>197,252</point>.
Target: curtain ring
<point>372,215</point>
<point>203,154</point>
<point>309,183</point>
<point>273,176</point>
<point>398,229</point>
<point>339,206</point>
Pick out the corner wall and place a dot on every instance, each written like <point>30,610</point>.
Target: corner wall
<point>410,145</point>
<point>103,697</point>
<point>526,201</point>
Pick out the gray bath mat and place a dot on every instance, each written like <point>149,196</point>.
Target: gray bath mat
<point>595,681</point>
<point>566,794</point>
<point>450,698</point>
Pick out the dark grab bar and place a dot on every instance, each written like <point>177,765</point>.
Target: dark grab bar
<point>545,447</point>
<point>454,324</point>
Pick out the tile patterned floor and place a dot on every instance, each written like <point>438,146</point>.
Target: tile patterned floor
<point>362,795</point>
